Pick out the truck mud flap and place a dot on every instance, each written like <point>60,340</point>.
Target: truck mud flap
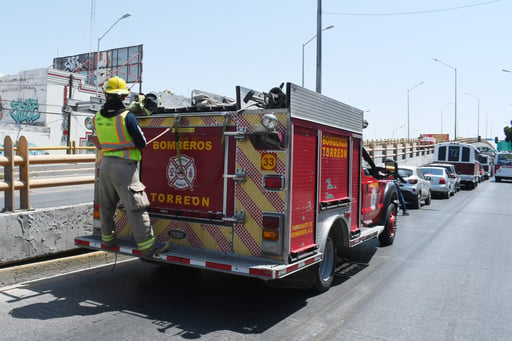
<point>236,265</point>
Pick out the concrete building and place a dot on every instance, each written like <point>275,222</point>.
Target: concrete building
<point>37,104</point>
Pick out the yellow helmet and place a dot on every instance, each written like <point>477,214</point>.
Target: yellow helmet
<point>116,86</point>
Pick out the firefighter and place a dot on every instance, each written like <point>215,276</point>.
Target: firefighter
<point>121,141</point>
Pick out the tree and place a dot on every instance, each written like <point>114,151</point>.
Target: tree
<point>508,133</point>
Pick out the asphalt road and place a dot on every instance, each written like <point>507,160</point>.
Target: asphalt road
<point>55,196</point>
<point>447,277</point>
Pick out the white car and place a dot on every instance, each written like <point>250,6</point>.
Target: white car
<point>503,167</point>
<point>440,181</point>
<point>416,188</point>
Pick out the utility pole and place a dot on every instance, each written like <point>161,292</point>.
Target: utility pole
<point>319,47</point>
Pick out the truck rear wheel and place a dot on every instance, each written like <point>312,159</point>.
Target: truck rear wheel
<point>324,271</point>
<point>387,236</point>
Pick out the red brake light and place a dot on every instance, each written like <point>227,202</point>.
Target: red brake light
<point>274,182</point>
<point>412,181</point>
<point>271,221</point>
<point>442,181</point>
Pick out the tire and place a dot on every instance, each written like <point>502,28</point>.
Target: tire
<point>497,179</point>
<point>447,195</point>
<point>324,271</point>
<point>417,202</point>
<point>428,199</point>
<point>387,236</point>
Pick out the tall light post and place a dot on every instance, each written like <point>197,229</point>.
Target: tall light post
<point>98,49</point>
<point>455,100</point>
<point>478,119</point>
<point>442,108</point>
<point>304,45</point>
<point>408,91</point>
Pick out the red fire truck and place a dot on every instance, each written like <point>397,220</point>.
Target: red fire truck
<point>273,185</point>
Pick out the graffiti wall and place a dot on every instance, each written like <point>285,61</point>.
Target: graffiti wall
<point>23,98</point>
<point>32,103</point>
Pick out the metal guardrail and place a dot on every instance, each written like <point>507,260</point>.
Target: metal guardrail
<point>20,157</point>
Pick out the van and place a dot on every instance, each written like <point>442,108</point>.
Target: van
<point>466,159</point>
<point>503,166</point>
<point>485,163</point>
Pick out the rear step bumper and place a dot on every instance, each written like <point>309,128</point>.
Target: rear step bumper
<point>251,267</point>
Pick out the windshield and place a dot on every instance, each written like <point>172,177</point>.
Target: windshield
<point>404,173</point>
<point>433,171</point>
<point>504,159</point>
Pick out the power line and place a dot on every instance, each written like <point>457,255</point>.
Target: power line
<point>415,12</point>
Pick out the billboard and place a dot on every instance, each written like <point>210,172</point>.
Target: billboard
<point>126,62</point>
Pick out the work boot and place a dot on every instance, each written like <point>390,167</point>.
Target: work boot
<point>152,251</point>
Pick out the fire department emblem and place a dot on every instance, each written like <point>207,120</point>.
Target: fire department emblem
<point>181,176</point>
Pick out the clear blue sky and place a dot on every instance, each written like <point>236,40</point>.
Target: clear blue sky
<point>375,53</point>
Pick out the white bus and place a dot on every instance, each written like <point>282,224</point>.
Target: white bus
<point>465,157</point>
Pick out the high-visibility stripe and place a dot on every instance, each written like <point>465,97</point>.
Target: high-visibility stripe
<point>147,244</point>
<point>108,237</point>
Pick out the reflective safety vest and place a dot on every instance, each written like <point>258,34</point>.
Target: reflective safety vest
<point>114,137</point>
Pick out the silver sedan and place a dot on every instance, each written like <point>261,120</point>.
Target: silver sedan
<point>440,181</point>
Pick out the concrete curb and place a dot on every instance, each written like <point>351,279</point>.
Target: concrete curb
<point>34,271</point>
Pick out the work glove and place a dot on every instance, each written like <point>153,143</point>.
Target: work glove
<point>144,104</point>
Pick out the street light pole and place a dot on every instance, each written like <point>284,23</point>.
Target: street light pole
<point>98,49</point>
<point>304,45</point>
<point>408,91</point>
<point>478,122</point>
<point>455,101</point>
<point>319,47</point>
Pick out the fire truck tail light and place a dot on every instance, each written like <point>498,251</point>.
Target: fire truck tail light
<point>274,182</point>
<point>272,233</point>
<point>272,221</point>
<point>96,211</point>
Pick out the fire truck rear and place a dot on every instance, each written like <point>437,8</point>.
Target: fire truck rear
<point>272,185</point>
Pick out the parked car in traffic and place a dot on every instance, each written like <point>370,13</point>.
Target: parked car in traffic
<point>440,182</point>
<point>452,172</point>
<point>416,188</point>
<point>503,166</point>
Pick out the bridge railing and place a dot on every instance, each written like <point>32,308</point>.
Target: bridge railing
<point>397,149</point>
<point>18,162</point>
